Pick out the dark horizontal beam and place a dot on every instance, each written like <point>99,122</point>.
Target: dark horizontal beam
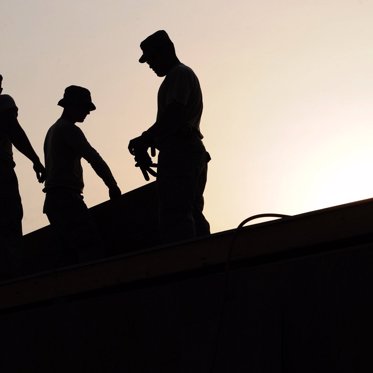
<point>319,231</point>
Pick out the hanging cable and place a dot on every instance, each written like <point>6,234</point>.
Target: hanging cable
<point>226,280</point>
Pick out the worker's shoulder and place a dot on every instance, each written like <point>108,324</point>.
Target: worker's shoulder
<point>182,69</point>
<point>181,73</point>
<point>7,102</point>
<point>65,129</point>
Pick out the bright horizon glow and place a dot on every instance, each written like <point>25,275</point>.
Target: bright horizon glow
<point>287,86</point>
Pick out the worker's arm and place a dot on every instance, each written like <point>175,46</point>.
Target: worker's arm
<point>81,144</point>
<point>102,170</point>
<point>167,124</point>
<point>19,139</point>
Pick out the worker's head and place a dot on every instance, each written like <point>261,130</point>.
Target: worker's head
<point>158,52</point>
<point>77,103</point>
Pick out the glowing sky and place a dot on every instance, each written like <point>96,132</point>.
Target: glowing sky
<point>288,89</point>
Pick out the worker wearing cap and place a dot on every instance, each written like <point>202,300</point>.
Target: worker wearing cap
<point>182,159</point>
<point>12,134</point>
<point>64,146</point>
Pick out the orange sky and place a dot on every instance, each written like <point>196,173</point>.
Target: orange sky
<point>287,90</point>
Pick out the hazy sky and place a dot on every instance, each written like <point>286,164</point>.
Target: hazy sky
<point>288,89</point>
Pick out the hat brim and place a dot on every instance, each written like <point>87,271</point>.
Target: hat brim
<point>89,105</point>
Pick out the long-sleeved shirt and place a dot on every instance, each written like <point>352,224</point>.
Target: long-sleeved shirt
<point>64,146</point>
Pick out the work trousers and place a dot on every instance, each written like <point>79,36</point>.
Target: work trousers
<point>11,214</point>
<point>11,211</point>
<point>73,225</point>
<point>181,180</point>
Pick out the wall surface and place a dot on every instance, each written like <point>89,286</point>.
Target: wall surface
<point>309,314</point>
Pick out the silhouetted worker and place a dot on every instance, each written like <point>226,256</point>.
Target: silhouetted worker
<point>11,133</point>
<point>64,146</point>
<point>182,159</point>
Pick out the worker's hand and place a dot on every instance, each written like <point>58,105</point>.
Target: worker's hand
<point>146,170</point>
<point>40,171</point>
<point>114,192</point>
<point>137,145</point>
<point>139,148</point>
<point>145,163</point>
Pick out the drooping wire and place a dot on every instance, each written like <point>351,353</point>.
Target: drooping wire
<point>226,280</point>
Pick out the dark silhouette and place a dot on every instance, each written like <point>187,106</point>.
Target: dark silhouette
<point>182,160</point>
<point>64,146</point>
<point>11,133</point>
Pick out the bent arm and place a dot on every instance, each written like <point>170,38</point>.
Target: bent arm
<point>170,122</point>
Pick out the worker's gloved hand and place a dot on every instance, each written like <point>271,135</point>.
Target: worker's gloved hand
<point>40,172</point>
<point>114,192</point>
<point>146,170</point>
<point>139,148</point>
<point>145,163</point>
<point>137,145</point>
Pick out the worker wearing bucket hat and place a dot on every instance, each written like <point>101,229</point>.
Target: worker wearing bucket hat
<point>64,147</point>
